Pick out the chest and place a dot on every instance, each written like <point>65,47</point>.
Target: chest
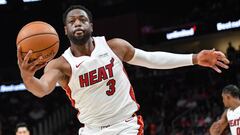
<point>233,118</point>
<point>95,70</point>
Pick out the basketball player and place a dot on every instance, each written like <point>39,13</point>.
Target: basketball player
<point>92,74</point>
<point>231,116</point>
<point>22,129</point>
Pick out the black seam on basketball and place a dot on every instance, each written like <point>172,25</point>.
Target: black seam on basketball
<point>44,48</point>
<point>36,35</point>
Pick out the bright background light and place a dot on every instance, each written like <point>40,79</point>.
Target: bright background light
<point>30,0</point>
<point>3,2</point>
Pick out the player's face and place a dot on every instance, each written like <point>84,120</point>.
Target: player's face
<point>22,131</point>
<point>226,100</point>
<point>78,27</point>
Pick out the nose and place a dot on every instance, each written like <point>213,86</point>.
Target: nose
<point>77,23</point>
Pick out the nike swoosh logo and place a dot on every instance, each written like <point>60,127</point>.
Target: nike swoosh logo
<point>77,66</point>
<point>103,55</point>
<point>128,120</point>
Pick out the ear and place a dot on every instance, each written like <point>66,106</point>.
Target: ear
<point>228,97</point>
<point>65,30</point>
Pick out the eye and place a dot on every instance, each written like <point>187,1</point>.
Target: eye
<point>84,20</point>
<point>70,21</point>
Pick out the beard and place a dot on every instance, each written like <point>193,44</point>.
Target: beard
<point>79,40</point>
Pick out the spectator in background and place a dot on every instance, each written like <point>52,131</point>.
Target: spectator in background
<point>152,129</point>
<point>238,55</point>
<point>22,129</point>
<point>231,52</point>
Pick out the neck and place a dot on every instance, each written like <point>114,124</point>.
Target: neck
<point>83,49</point>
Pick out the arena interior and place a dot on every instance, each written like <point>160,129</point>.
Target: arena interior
<point>181,101</point>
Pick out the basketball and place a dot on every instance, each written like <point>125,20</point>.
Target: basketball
<point>41,38</point>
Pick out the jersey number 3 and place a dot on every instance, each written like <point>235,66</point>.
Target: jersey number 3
<point>111,84</point>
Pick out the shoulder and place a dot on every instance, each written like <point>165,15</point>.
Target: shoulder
<point>122,48</point>
<point>117,41</point>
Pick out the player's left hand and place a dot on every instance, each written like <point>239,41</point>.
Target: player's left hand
<point>213,59</point>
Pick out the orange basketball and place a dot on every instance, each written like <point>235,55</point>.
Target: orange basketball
<point>41,38</point>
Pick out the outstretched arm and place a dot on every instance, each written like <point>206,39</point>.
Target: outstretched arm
<point>161,60</point>
<point>39,87</point>
<point>164,60</point>
<point>219,126</point>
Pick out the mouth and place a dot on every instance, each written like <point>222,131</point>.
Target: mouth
<point>78,30</point>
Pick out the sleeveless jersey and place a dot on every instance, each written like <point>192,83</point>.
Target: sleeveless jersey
<point>99,88</point>
<point>233,117</point>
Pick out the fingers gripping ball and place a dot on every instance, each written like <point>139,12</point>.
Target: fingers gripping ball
<point>41,38</point>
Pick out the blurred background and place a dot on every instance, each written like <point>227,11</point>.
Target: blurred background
<point>181,101</point>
